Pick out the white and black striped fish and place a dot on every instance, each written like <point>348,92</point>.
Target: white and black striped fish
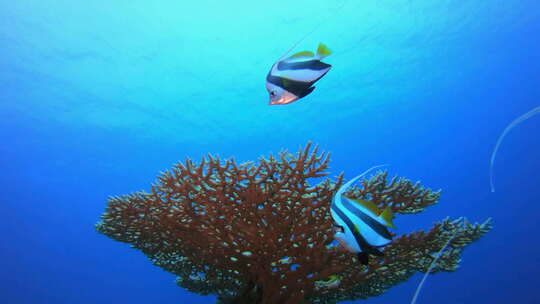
<point>292,78</point>
<point>361,226</point>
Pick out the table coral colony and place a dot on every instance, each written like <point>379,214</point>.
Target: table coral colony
<point>260,233</point>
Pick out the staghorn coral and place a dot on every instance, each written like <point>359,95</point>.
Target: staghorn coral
<point>262,234</point>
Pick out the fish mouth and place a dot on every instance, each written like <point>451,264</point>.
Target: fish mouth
<point>274,103</point>
<point>280,102</point>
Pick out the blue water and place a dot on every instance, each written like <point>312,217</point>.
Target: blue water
<point>97,97</point>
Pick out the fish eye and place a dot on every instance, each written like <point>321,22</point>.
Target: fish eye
<point>272,93</point>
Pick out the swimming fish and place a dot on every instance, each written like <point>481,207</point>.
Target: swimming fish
<point>361,226</point>
<point>293,77</point>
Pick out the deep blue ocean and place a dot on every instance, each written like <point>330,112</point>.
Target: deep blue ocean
<point>98,97</point>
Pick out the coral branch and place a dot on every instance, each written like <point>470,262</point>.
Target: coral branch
<point>406,255</point>
<point>401,194</point>
<point>260,233</point>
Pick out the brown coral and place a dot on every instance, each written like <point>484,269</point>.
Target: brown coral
<point>261,234</point>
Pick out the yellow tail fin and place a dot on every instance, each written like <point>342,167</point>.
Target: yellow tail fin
<point>323,51</point>
<point>387,216</point>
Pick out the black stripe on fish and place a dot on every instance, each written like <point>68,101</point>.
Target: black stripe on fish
<point>373,224</point>
<point>360,240</point>
<point>314,65</point>
<point>298,88</point>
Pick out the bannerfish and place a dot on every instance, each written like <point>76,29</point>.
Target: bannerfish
<point>360,226</point>
<point>293,77</point>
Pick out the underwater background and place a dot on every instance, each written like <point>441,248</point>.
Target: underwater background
<point>98,97</point>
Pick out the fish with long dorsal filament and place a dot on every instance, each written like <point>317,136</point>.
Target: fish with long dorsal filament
<point>360,226</point>
<point>293,77</point>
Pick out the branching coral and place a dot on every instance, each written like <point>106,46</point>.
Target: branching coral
<point>262,234</point>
